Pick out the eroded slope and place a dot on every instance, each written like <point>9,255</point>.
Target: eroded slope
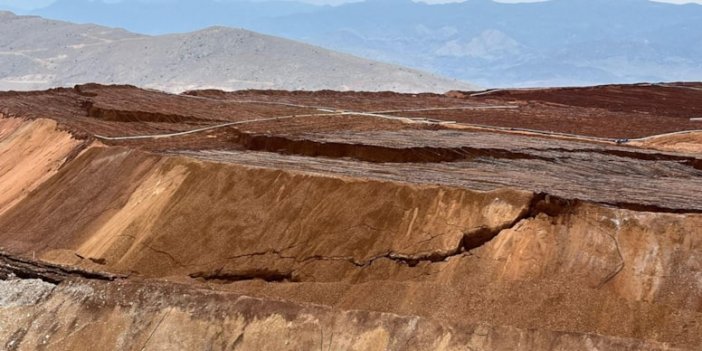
<point>385,233</point>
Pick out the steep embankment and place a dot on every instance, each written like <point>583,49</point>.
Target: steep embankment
<point>177,216</point>
<point>30,153</point>
<point>501,269</point>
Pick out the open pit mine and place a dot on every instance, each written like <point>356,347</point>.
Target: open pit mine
<point>541,219</point>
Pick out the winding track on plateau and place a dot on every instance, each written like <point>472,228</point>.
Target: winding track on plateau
<point>385,114</point>
<point>324,111</point>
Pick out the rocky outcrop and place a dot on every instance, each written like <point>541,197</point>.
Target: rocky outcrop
<point>154,316</point>
<point>71,309</point>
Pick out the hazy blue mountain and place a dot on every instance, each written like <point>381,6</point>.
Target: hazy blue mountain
<point>559,42</point>
<point>170,16</point>
<point>9,8</point>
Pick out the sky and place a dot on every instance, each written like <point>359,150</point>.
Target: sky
<point>32,4</point>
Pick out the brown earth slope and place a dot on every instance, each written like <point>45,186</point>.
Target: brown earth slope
<point>134,220</point>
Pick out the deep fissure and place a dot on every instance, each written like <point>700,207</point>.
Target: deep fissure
<point>23,268</point>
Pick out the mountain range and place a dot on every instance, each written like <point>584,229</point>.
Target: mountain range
<point>551,43</point>
<point>37,53</point>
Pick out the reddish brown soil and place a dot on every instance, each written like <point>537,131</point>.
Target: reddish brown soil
<point>631,111</point>
<point>669,100</point>
<point>380,222</point>
<point>616,111</point>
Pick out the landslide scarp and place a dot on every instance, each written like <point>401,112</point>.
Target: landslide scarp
<point>335,231</point>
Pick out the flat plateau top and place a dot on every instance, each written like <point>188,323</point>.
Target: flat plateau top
<point>614,112</point>
<point>574,143</point>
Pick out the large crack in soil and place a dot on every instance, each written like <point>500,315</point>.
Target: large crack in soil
<point>118,115</point>
<point>289,145</point>
<point>368,153</point>
<point>264,274</point>
<point>12,266</point>
<point>540,204</point>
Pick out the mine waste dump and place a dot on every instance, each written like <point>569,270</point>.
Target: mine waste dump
<point>536,219</point>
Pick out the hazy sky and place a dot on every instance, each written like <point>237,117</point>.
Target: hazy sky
<point>30,4</point>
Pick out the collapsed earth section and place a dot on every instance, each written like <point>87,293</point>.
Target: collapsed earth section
<point>272,220</point>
